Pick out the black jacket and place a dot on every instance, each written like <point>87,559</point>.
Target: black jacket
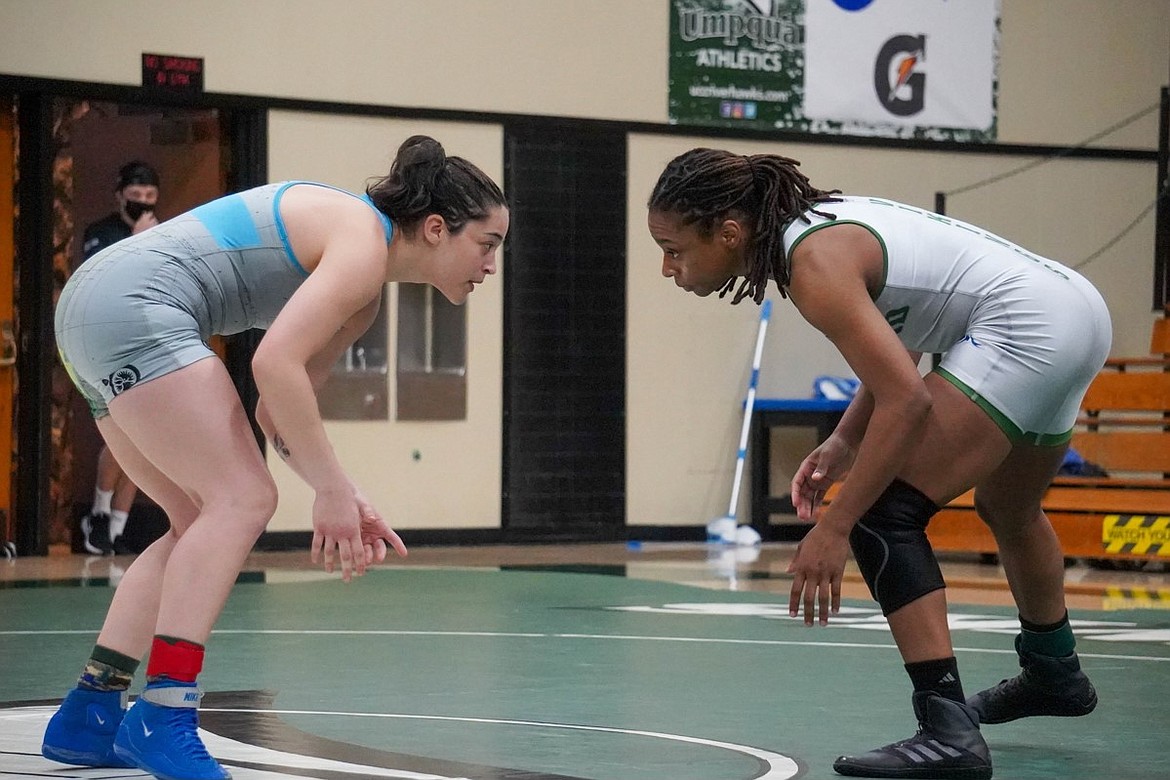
<point>101,234</point>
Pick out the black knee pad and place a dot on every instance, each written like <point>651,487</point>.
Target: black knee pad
<point>891,549</point>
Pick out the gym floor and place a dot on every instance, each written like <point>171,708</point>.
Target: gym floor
<point>584,662</point>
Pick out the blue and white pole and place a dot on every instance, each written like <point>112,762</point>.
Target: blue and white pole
<point>748,406</point>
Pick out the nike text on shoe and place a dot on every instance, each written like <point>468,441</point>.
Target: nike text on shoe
<point>160,735</point>
<point>1044,686</point>
<point>82,730</point>
<point>95,534</point>
<point>948,746</point>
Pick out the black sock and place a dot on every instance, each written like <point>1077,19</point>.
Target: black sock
<point>940,675</point>
<point>107,670</point>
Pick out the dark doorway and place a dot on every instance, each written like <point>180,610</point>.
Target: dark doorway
<point>65,169</point>
<point>564,333</point>
<point>93,141</point>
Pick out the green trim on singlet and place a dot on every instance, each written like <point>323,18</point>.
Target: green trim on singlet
<point>877,235</point>
<point>1048,439</point>
<point>1013,432</point>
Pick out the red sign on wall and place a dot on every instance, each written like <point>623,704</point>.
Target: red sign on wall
<point>166,71</point>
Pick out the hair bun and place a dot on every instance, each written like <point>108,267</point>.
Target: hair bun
<point>421,150</point>
<point>424,180</point>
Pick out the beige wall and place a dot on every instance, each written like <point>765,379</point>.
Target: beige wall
<point>1068,69</point>
<point>455,483</point>
<point>603,58</point>
<point>1071,68</point>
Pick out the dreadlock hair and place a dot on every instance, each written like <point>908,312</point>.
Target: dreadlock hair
<point>424,180</point>
<point>707,186</point>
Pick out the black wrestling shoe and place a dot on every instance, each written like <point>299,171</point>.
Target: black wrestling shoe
<point>1044,686</point>
<point>122,547</point>
<point>948,745</point>
<point>95,534</point>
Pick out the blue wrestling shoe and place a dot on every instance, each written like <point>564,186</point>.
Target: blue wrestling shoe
<point>160,735</point>
<point>81,732</point>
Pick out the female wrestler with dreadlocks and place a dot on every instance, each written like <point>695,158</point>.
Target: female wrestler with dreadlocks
<point>1022,337</point>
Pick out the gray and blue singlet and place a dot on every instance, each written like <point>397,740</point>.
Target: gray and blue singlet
<point>147,305</point>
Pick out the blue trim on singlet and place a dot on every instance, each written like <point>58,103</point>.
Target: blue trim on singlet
<point>229,222</point>
<point>280,231</point>
<point>387,226</point>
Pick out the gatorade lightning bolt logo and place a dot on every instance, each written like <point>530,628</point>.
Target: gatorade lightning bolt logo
<point>892,85</point>
<point>905,68</point>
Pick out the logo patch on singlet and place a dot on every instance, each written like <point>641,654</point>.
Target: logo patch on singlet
<point>122,379</point>
<point>897,317</point>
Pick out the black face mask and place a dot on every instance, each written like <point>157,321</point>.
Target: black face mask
<point>135,209</point>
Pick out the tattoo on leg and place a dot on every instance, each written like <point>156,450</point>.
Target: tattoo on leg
<point>281,447</point>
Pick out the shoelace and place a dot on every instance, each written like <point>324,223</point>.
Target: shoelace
<point>914,740</point>
<point>184,724</point>
<point>1012,686</point>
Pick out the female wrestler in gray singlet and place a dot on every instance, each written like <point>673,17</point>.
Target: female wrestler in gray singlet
<point>307,263</point>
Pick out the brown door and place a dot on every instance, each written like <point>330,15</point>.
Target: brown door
<point>185,147</point>
<point>74,154</point>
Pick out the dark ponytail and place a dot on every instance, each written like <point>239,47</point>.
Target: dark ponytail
<point>423,180</point>
<point>707,186</point>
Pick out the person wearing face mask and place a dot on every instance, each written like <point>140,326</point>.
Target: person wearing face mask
<point>136,194</point>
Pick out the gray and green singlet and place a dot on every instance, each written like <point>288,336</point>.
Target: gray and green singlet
<point>1021,335</point>
<point>147,305</point>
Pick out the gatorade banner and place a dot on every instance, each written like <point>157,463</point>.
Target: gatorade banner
<point>909,63</point>
<point>922,69</point>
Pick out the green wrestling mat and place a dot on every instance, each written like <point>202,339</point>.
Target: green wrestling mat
<point>527,674</point>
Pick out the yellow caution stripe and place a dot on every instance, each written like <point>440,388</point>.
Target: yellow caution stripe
<point>1136,598</point>
<point>1136,534</point>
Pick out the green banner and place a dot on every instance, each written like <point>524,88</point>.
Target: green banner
<point>742,63</point>
<point>731,65</point>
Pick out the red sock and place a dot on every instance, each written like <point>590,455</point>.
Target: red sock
<point>175,659</point>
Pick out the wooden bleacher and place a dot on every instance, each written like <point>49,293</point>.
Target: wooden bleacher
<point>1124,428</point>
<point>1159,356</point>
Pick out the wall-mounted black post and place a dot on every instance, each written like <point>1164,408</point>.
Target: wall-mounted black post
<point>34,337</point>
